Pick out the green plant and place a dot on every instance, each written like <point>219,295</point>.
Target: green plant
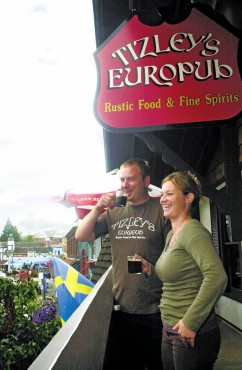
<point>34,273</point>
<point>27,323</point>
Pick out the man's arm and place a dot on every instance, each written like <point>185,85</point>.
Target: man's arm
<point>84,231</point>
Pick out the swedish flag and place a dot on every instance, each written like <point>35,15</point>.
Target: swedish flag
<point>71,288</point>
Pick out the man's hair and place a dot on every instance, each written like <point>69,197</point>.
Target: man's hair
<point>141,163</point>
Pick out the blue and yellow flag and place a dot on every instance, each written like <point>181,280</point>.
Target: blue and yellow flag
<point>71,288</point>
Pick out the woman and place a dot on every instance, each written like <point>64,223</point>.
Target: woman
<point>193,280</point>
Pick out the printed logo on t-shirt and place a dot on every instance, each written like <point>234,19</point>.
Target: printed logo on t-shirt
<point>132,228</point>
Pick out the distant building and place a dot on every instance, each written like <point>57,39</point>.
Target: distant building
<point>82,255</point>
<point>23,255</point>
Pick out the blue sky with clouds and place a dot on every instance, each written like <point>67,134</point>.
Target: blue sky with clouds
<point>50,140</point>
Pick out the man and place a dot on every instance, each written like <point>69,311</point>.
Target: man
<point>137,228</point>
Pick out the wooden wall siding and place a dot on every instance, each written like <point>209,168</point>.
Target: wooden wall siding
<point>104,260</point>
<point>240,140</point>
<point>72,247</point>
<point>217,174</point>
<point>214,225</point>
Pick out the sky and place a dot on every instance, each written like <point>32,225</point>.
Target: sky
<point>50,140</point>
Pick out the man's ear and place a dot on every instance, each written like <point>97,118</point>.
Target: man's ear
<point>147,181</point>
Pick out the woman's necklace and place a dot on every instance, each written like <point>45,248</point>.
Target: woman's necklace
<point>170,242</point>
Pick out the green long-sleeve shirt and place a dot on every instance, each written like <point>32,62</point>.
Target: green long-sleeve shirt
<point>193,277</point>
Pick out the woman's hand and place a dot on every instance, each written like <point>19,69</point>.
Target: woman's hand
<point>185,333</point>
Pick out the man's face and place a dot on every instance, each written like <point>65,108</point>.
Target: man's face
<point>133,184</point>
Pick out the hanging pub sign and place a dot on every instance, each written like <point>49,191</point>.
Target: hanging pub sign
<point>149,76</point>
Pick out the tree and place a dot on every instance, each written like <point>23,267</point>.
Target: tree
<point>28,238</point>
<point>10,229</point>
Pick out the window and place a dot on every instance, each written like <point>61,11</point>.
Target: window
<point>235,262</point>
<point>31,254</point>
<point>230,252</point>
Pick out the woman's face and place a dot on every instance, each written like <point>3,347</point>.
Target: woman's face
<point>173,201</point>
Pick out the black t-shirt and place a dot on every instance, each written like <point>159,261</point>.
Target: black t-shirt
<point>134,230</point>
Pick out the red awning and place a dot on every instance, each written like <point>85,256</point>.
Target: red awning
<point>86,197</point>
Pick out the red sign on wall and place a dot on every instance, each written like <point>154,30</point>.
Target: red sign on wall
<point>149,77</point>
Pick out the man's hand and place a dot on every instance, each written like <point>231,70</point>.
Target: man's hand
<point>146,267</point>
<point>106,201</point>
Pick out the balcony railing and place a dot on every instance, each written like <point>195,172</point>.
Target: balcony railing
<point>81,342</point>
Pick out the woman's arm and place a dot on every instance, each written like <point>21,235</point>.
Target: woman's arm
<point>214,281</point>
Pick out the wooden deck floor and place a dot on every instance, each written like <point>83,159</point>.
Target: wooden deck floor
<point>230,355</point>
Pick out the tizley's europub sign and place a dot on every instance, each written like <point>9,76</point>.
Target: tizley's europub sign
<point>149,77</point>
